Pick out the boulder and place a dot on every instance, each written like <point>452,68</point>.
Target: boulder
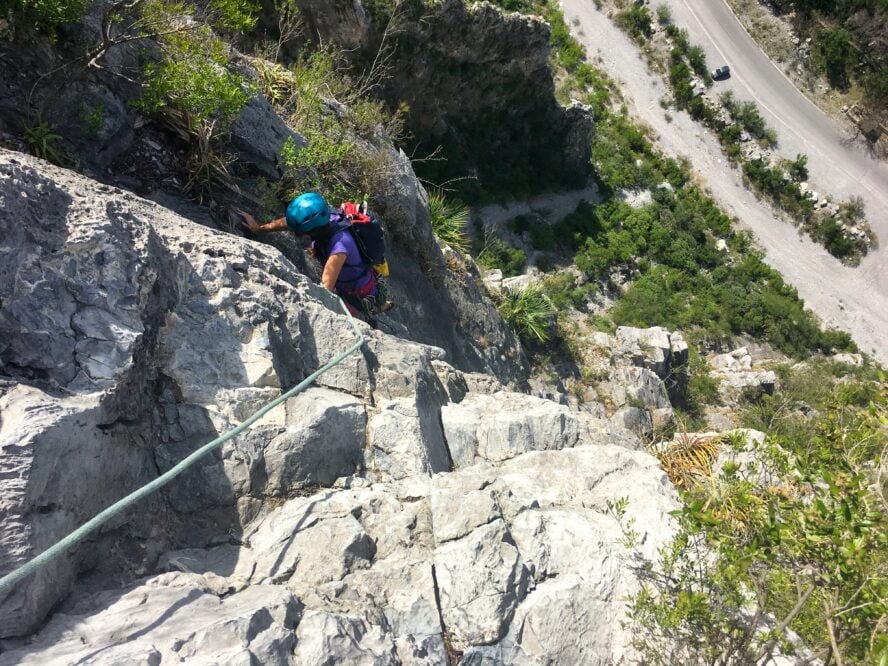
<point>734,371</point>
<point>374,573</point>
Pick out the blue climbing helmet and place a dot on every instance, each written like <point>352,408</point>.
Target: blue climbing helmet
<point>307,212</point>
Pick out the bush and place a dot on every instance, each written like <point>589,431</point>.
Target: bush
<point>810,542</point>
<point>195,80</point>
<point>697,60</point>
<point>798,168</point>
<point>563,292</point>
<point>664,14</point>
<point>839,56</point>
<point>679,38</point>
<point>637,22</point>
<point>542,237</point>
<point>498,255</point>
<point>528,312</point>
<point>47,15</point>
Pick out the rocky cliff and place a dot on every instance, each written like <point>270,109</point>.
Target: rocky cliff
<point>476,80</point>
<point>399,511</point>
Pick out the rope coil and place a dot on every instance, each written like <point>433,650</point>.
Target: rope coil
<point>104,516</point>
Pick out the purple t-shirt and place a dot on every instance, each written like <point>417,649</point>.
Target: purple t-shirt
<point>354,274</point>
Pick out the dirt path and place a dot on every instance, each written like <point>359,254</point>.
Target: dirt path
<point>851,299</point>
<point>551,207</point>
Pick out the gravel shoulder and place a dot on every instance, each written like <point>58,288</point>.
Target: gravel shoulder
<point>852,299</point>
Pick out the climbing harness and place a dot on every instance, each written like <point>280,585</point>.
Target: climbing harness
<point>84,530</point>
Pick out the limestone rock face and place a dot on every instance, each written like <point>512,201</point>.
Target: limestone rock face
<point>503,425</point>
<point>201,622</point>
<point>506,558</point>
<point>397,511</point>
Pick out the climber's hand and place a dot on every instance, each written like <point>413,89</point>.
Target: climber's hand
<point>249,223</point>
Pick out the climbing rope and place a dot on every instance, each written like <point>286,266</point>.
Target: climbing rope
<point>81,532</point>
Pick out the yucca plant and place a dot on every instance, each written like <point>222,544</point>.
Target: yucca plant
<point>449,219</point>
<point>528,311</point>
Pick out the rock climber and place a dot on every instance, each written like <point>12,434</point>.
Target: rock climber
<point>345,272</point>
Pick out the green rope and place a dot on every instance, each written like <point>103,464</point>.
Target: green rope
<point>81,533</point>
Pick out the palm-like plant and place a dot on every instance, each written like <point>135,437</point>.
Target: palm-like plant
<point>449,219</point>
<point>528,311</point>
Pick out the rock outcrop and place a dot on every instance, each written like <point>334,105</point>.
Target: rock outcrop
<point>399,510</point>
<point>735,371</point>
<point>476,79</point>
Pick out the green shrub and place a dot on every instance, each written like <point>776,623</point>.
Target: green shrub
<point>679,38</point>
<point>810,542</point>
<point>499,255</point>
<point>798,168</point>
<point>562,290</point>
<point>839,57</point>
<point>542,237</point>
<point>195,80</point>
<point>664,14</point>
<point>449,219</point>
<point>637,22</point>
<point>545,263</point>
<point>47,15</point>
<point>528,312</point>
<point>697,60</point>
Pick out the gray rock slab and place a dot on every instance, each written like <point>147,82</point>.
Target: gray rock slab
<point>172,617</point>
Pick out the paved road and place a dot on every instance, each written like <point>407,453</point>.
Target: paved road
<point>844,297</point>
<point>837,164</point>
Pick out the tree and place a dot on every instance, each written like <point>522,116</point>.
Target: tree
<point>839,56</point>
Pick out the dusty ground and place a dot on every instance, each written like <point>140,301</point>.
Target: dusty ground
<point>852,299</point>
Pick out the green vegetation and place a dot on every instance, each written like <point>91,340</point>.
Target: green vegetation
<point>685,282</point>
<point>543,236</point>
<point>47,15</point>
<point>334,160</point>
<point>563,292</point>
<point>449,219</point>
<point>839,57</point>
<point>850,43</point>
<point>772,183</point>
<point>636,20</point>
<point>528,312</point>
<point>497,254</point>
<point>43,142</point>
<point>194,80</point>
<point>807,546</point>
<point>747,116</point>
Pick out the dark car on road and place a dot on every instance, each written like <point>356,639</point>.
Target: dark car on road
<point>723,72</point>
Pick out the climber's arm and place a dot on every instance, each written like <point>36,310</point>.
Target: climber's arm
<point>332,268</point>
<point>250,224</point>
